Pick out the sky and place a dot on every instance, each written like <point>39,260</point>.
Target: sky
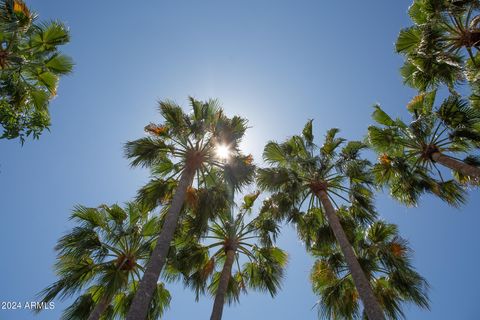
<point>278,63</point>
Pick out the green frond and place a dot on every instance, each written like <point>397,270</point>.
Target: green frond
<point>331,142</point>
<point>239,172</point>
<point>156,192</point>
<point>278,207</point>
<point>229,131</point>
<point>249,200</point>
<point>273,153</point>
<point>80,309</point>
<point>267,229</point>
<point>464,139</point>
<point>47,36</point>
<point>382,117</point>
<point>273,179</point>
<point>267,271</point>
<point>456,113</point>
<point>307,132</point>
<point>89,217</point>
<point>173,114</point>
<point>60,64</point>
<point>101,256</point>
<point>352,149</point>
<point>408,40</point>
<point>147,152</point>
<point>382,140</point>
<point>116,213</point>
<point>233,290</point>
<point>74,275</point>
<point>209,204</point>
<point>449,191</point>
<point>81,241</point>
<point>385,258</point>
<point>422,103</point>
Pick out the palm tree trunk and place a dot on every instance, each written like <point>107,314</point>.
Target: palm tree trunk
<point>100,308</point>
<point>456,165</point>
<point>223,286</point>
<point>141,301</point>
<point>370,302</point>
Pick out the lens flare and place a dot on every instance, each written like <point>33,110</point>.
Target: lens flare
<point>222,151</point>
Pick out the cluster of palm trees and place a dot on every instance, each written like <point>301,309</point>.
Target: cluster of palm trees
<point>202,238</point>
<point>189,223</point>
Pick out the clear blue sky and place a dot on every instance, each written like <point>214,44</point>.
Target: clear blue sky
<point>277,63</point>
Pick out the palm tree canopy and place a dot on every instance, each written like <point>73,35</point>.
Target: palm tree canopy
<point>103,256</point>
<point>386,259</point>
<point>309,181</point>
<point>258,264</point>
<point>191,140</point>
<point>405,150</point>
<point>435,46</point>
<point>167,151</point>
<point>30,65</point>
<point>300,167</point>
<point>186,152</point>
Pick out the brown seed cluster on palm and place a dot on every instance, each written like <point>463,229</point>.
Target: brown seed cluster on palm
<point>19,7</point>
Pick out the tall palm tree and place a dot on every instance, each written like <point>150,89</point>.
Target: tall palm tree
<point>104,256</point>
<point>302,172</point>
<point>231,257</point>
<point>434,47</point>
<point>386,259</point>
<point>435,136</point>
<point>30,65</point>
<point>184,148</point>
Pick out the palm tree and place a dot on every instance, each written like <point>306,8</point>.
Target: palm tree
<point>31,66</point>
<point>384,256</point>
<point>302,172</point>
<point>435,136</point>
<point>213,261</point>
<point>434,46</point>
<point>186,147</point>
<point>105,253</point>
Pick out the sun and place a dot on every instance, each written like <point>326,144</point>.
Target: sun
<point>222,151</point>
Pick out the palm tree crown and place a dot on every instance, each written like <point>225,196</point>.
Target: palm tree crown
<point>384,256</point>
<point>187,141</point>
<point>434,46</point>
<point>302,173</point>
<point>409,154</point>
<point>198,146</point>
<point>104,256</point>
<point>300,169</point>
<point>233,256</point>
<point>30,66</point>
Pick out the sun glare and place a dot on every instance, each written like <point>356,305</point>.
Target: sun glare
<point>222,151</point>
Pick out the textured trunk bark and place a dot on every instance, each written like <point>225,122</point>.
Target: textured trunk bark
<point>456,165</point>
<point>370,302</point>
<point>222,286</point>
<point>99,309</point>
<point>141,301</point>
